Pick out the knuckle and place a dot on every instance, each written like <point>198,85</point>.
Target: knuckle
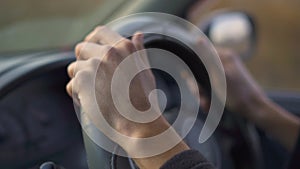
<point>94,62</point>
<point>79,48</point>
<point>128,45</point>
<point>82,78</point>
<point>107,48</point>
<point>112,57</point>
<point>69,88</point>
<point>100,27</point>
<point>111,51</point>
<point>70,69</point>
<point>82,75</point>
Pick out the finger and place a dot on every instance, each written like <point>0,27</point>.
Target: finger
<point>138,40</point>
<point>83,85</point>
<point>104,35</point>
<point>86,50</point>
<point>70,69</point>
<point>69,87</point>
<point>74,67</point>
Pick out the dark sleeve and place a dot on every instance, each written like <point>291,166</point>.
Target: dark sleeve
<point>295,158</point>
<point>189,159</point>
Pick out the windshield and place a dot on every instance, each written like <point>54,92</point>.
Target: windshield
<point>37,25</point>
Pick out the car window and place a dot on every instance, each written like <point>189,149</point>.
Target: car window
<point>33,24</point>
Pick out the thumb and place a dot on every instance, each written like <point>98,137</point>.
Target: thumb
<point>138,40</point>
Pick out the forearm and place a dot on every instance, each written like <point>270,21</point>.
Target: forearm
<point>273,119</point>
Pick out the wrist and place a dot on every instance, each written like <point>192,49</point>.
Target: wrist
<point>149,154</point>
<point>140,131</point>
<point>151,129</point>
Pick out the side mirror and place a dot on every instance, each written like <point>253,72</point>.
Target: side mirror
<point>233,30</point>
